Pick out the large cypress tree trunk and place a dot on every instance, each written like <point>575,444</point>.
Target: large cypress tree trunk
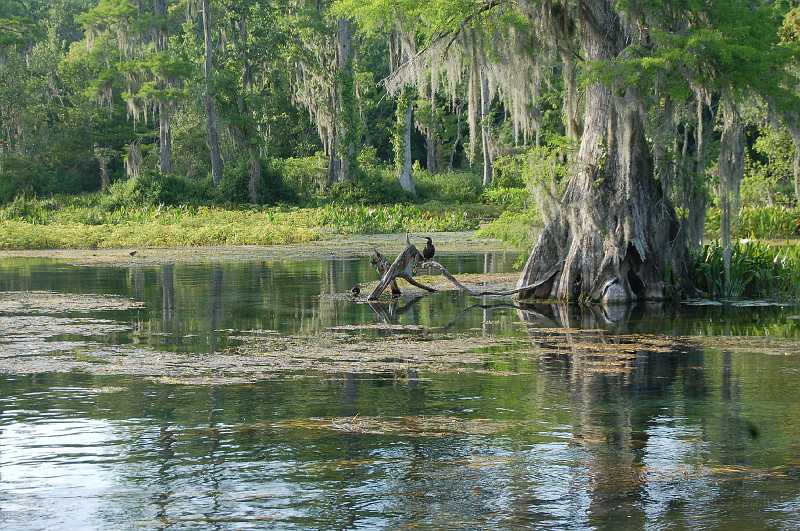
<point>208,98</point>
<point>615,235</point>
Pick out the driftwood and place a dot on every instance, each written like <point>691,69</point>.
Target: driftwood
<point>404,267</point>
<point>404,270</point>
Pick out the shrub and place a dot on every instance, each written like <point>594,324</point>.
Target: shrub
<point>518,229</point>
<point>29,209</point>
<point>510,198</point>
<point>758,270</point>
<point>509,171</point>
<point>153,188</point>
<point>449,187</point>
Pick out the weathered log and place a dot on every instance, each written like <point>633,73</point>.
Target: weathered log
<point>403,267</point>
<point>382,265</point>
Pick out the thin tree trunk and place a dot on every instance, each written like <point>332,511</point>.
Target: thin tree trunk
<point>164,138</point>
<point>485,128</point>
<point>211,115</point>
<point>615,235</point>
<point>794,130</point>
<point>731,171</point>
<point>345,137</point>
<point>457,140</point>
<point>103,156</point>
<point>249,132</point>
<point>430,135</point>
<point>164,110</point>
<point>406,179</point>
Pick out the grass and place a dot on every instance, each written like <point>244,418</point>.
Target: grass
<point>766,223</point>
<point>84,222</point>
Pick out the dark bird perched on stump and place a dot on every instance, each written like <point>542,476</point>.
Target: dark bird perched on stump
<point>355,291</point>
<point>429,250</point>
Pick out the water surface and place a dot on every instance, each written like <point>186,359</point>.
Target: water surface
<point>692,437</point>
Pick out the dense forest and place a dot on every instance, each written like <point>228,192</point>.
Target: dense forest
<point>625,129</point>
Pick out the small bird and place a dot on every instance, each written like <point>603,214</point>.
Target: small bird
<point>355,291</point>
<point>429,250</point>
<point>132,253</point>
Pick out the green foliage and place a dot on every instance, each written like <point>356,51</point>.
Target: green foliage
<point>514,199</point>
<point>768,223</point>
<point>448,187</point>
<point>517,228</point>
<point>768,171</point>
<point>758,270</point>
<point>509,171</point>
<point>88,222</point>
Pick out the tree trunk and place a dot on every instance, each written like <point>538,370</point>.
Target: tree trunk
<point>249,133</point>
<point>430,136</point>
<point>694,191</point>
<point>406,179</point>
<point>103,156</point>
<point>569,75</point>
<point>208,98</point>
<point>164,111</point>
<point>457,140</point>
<point>164,139</point>
<point>616,235</point>
<point>794,130</point>
<point>485,131</point>
<point>731,171</point>
<point>345,115</point>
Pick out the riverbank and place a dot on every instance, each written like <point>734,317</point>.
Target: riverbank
<point>45,224</point>
<point>336,246</point>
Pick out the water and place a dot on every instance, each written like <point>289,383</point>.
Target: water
<point>695,436</point>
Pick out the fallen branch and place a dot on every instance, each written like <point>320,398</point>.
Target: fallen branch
<point>403,267</point>
<point>446,274</point>
<point>382,265</point>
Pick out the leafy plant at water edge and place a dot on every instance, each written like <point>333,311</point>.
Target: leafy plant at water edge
<point>758,270</point>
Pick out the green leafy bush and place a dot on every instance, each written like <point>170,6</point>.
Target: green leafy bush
<point>510,198</point>
<point>758,270</point>
<point>450,187</point>
<point>510,171</point>
<point>518,229</point>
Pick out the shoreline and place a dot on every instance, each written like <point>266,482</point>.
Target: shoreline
<point>337,246</point>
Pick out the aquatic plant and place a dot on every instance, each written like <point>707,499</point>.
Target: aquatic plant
<point>758,270</point>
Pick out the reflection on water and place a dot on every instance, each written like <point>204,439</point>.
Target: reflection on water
<point>687,437</point>
<point>194,307</point>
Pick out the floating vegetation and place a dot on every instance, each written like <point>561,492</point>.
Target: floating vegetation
<point>412,426</point>
<point>47,302</point>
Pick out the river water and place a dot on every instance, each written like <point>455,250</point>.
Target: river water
<point>701,435</point>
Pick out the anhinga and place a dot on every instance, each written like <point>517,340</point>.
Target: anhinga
<point>429,250</point>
